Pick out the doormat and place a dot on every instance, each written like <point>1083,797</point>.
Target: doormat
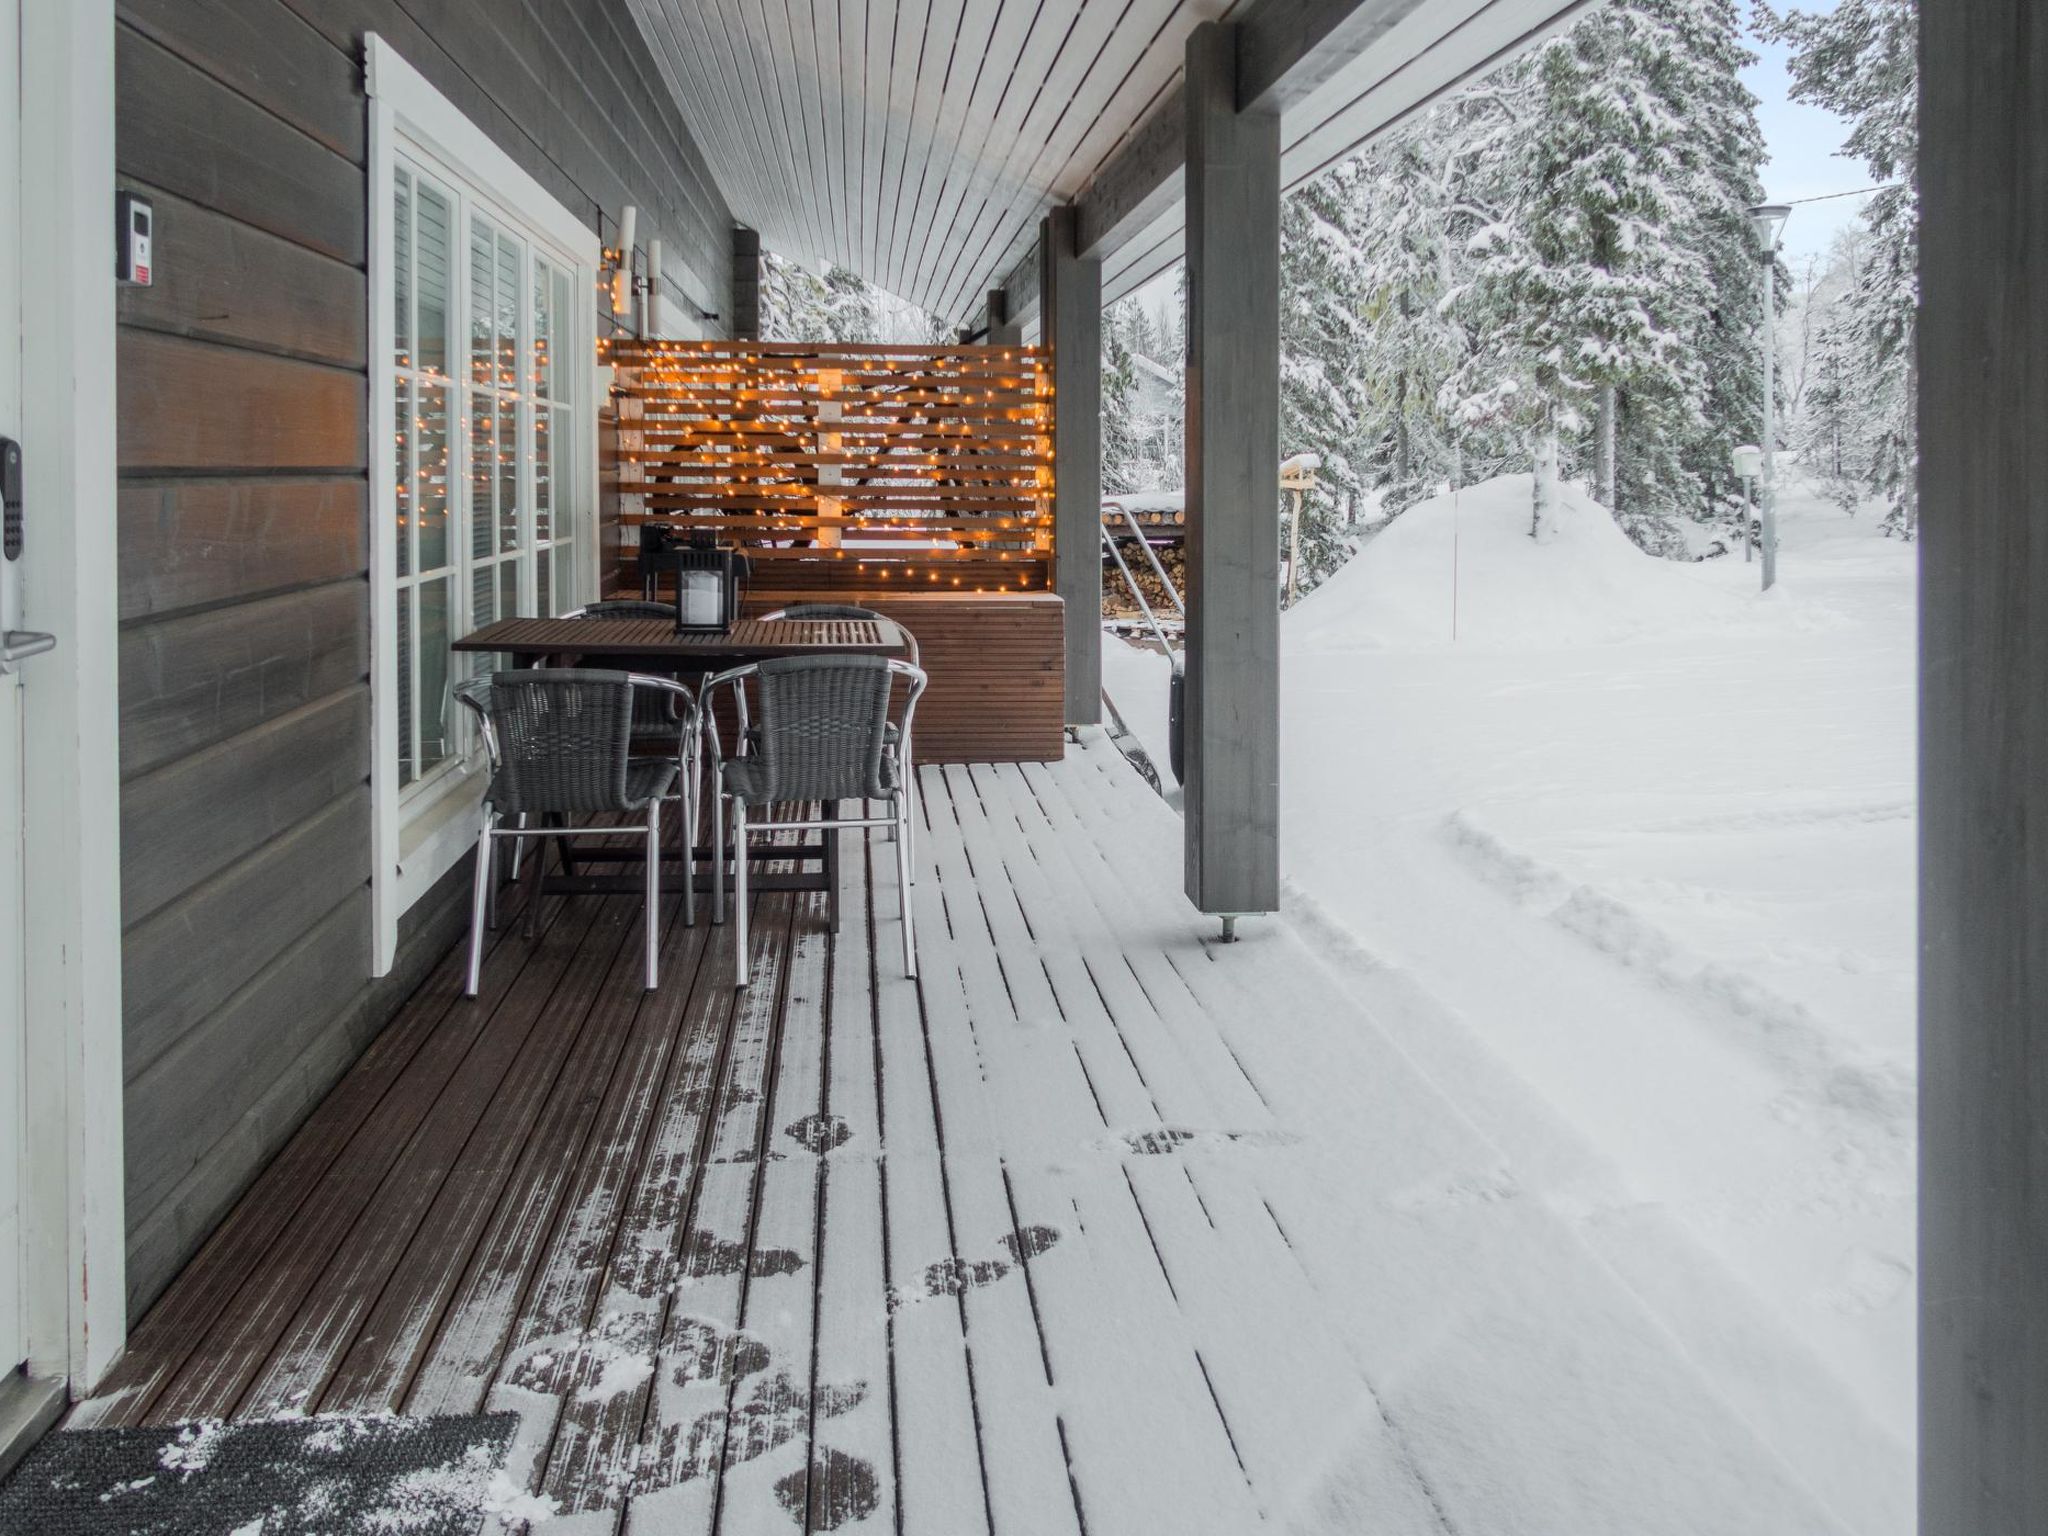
<point>331,1476</point>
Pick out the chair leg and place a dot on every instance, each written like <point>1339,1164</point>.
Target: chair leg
<point>690,844</point>
<point>494,880</point>
<point>911,796</point>
<point>903,882</point>
<point>480,895</point>
<point>653,899</point>
<point>739,892</point>
<point>518,850</point>
<point>717,855</point>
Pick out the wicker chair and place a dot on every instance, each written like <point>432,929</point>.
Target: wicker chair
<point>560,743</point>
<point>653,715</point>
<point>820,730</point>
<point>855,611</point>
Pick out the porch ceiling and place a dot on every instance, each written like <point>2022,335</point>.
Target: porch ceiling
<point>918,142</point>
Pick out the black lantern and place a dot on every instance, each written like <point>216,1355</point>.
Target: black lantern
<point>705,579</point>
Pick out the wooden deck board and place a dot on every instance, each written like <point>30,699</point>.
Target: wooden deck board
<point>843,1251</point>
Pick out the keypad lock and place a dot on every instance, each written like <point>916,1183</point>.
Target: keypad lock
<point>10,496</point>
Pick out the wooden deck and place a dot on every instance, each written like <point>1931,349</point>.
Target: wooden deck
<point>1086,1232</point>
<point>706,1240</point>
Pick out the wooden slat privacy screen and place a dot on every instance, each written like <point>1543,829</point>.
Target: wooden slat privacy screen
<point>843,466</point>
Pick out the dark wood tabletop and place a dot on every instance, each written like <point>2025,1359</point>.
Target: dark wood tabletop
<point>655,640</point>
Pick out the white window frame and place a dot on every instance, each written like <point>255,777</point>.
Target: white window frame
<point>418,833</point>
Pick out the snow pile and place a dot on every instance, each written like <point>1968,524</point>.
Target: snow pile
<point>1462,568</point>
<point>1628,869</point>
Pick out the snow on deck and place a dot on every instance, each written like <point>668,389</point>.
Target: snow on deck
<point>1102,1227</point>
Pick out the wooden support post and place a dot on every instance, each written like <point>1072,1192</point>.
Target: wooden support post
<point>746,284</point>
<point>1070,323</point>
<point>1002,330</point>
<point>1983,352</point>
<point>1232,701</point>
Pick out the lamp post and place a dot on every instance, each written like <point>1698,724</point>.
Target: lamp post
<point>1768,219</point>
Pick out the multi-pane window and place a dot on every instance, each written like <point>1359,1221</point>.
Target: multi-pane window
<point>484,414</point>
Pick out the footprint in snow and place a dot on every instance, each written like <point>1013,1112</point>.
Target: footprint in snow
<point>834,1490</point>
<point>954,1276</point>
<point>770,1408</point>
<point>1158,1141</point>
<point>1452,1191</point>
<point>819,1133</point>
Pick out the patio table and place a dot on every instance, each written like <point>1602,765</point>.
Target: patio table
<point>654,645</point>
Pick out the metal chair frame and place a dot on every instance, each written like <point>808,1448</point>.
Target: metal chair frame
<point>475,693</point>
<point>898,821</point>
<point>856,611</point>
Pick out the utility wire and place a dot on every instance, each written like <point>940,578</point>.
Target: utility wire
<point>1828,197</point>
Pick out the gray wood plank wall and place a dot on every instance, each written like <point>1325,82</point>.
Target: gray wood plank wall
<point>243,550</point>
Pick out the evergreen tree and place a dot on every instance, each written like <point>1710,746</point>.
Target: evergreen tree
<point>1582,275</point>
<point>1860,61</point>
<point>1830,426</point>
<point>798,304</point>
<point>1122,451</point>
<point>1322,345</point>
<point>1720,313</point>
<point>1412,342</point>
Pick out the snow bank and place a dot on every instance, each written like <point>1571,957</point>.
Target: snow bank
<point>1461,568</point>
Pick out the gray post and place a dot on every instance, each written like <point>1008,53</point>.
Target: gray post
<point>1002,330</point>
<point>1070,323</point>
<point>1231,711</point>
<point>1770,417</point>
<point>1983,419</point>
<point>746,284</point>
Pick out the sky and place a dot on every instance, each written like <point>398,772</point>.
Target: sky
<point>1803,143</point>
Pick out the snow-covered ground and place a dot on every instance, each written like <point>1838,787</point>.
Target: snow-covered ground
<point>1621,853</point>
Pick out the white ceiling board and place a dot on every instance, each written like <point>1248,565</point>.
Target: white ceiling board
<point>918,142</point>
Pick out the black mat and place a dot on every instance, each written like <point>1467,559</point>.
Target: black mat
<point>282,1477</point>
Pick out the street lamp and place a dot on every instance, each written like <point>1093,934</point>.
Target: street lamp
<point>1768,219</point>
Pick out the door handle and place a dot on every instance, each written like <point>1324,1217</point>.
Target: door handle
<point>17,645</point>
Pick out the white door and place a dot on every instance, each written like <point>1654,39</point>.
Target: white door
<point>13,1064</point>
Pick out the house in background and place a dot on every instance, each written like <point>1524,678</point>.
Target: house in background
<point>357,410</point>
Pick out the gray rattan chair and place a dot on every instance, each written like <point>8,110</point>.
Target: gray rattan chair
<point>653,714</point>
<point>819,730</point>
<point>560,742</point>
<point>855,611</point>
<point>656,714</point>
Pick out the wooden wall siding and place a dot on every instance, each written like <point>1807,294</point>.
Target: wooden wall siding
<point>844,465</point>
<point>244,528</point>
<point>247,288</point>
<point>189,543</point>
<point>196,405</point>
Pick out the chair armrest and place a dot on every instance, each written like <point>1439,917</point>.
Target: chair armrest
<point>474,694</point>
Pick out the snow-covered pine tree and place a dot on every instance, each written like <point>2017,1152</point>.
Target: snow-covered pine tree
<point>1716,302</point>
<point>1828,424</point>
<point>1580,272</point>
<point>1322,345</point>
<point>798,304</point>
<point>1860,61</point>
<point>1122,451</point>
<point>1403,211</point>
